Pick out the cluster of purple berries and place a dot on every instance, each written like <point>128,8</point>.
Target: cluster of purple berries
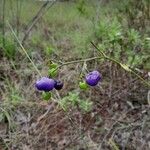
<point>47,84</point>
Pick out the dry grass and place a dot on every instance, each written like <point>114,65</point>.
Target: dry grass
<point>119,118</point>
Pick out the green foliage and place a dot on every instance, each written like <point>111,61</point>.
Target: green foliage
<point>14,95</point>
<point>10,100</point>
<point>85,106</point>
<point>52,72</point>
<point>133,36</point>
<point>4,115</point>
<point>48,50</point>
<point>108,30</point>
<point>53,65</point>
<point>135,12</point>
<point>72,100</point>
<point>126,45</point>
<point>81,6</point>
<point>1,116</point>
<point>46,95</point>
<point>83,85</point>
<point>8,47</point>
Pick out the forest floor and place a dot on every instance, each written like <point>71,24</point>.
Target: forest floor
<point>119,116</point>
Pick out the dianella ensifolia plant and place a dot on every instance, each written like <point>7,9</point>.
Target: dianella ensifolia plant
<point>48,83</point>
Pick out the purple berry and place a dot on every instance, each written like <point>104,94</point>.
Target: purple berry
<point>93,78</point>
<point>45,84</point>
<point>98,74</point>
<point>58,85</point>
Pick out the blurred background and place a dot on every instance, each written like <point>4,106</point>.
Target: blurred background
<point>113,115</point>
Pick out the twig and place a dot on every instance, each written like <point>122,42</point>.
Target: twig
<point>113,144</point>
<point>23,49</point>
<point>35,19</point>
<point>102,53</point>
<point>37,14</point>
<point>105,137</point>
<point>76,61</point>
<point>123,66</point>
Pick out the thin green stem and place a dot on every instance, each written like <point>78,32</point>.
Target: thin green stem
<point>102,53</point>
<point>23,49</point>
<point>125,67</point>
<point>140,78</point>
<point>77,61</point>
<point>121,65</point>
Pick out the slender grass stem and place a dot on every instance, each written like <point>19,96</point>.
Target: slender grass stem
<point>23,49</point>
<point>77,61</point>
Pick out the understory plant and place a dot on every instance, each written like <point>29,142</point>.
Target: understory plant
<point>113,42</point>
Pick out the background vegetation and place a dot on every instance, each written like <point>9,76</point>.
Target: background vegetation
<point>112,115</point>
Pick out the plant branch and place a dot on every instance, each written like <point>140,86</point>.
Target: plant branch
<point>102,53</point>
<point>35,19</point>
<point>77,61</point>
<point>124,66</point>
<point>23,49</point>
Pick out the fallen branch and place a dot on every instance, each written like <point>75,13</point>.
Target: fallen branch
<point>35,19</point>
